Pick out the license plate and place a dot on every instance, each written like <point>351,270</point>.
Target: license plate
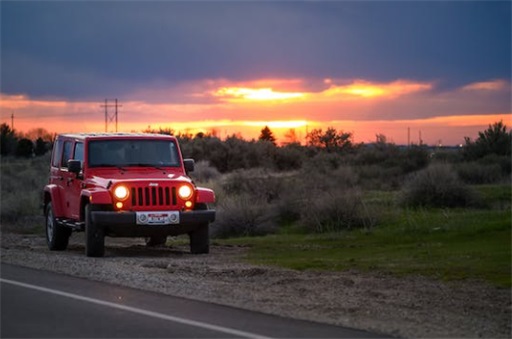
<point>158,218</point>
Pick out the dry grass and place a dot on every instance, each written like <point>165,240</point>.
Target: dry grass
<point>22,181</point>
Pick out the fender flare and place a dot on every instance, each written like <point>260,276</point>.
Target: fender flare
<point>97,196</point>
<point>205,195</point>
<point>52,194</point>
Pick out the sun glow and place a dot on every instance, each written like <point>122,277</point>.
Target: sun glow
<point>234,94</point>
<point>277,124</point>
<point>365,89</point>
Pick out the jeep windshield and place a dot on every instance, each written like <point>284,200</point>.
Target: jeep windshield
<point>133,153</point>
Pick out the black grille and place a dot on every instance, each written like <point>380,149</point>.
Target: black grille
<point>153,196</point>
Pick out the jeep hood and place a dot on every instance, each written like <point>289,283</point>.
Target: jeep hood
<point>108,177</point>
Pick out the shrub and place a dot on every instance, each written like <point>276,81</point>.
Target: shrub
<point>494,140</point>
<point>378,177</point>
<point>437,186</point>
<point>22,181</point>
<point>25,148</point>
<point>203,172</point>
<point>323,163</point>
<point>414,158</point>
<point>477,173</point>
<point>504,161</point>
<point>19,204</point>
<point>288,158</point>
<point>336,211</point>
<point>257,183</point>
<point>242,215</point>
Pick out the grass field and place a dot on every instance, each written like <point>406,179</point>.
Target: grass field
<point>447,244</point>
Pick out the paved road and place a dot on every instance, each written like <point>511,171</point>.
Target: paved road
<point>40,304</point>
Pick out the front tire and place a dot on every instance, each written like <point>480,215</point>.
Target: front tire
<point>200,240</point>
<point>57,236</point>
<point>94,235</point>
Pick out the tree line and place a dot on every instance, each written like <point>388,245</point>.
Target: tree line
<point>35,142</point>
<point>330,147</point>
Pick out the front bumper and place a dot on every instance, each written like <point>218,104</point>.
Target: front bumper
<point>125,223</point>
<point>108,218</point>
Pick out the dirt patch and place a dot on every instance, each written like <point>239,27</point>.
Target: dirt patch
<point>409,306</point>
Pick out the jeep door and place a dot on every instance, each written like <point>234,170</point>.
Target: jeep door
<point>71,185</point>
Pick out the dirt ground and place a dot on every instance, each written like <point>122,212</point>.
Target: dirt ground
<point>405,306</point>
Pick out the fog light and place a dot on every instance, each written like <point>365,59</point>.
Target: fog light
<point>119,205</point>
<point>188,204</point>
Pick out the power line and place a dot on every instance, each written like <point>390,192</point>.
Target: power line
<point>109,118</point>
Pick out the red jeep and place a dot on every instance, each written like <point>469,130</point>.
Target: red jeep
<point>123,185</point>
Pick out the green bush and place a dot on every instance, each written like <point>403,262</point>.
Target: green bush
<point>437,186</point>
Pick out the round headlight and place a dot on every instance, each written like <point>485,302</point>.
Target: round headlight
<point>121,192</point>
<point>185,192</point>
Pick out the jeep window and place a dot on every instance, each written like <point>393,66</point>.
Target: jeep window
<point>66,154</point>
<point>56,153</point>
<point>125,153</point>
<point>79,152</point>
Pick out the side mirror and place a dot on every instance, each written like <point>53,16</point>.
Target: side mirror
<point>74,166</point>
<point>189,165</point>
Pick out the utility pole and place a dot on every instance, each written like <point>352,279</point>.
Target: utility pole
<point>110,118</point>
<point>116,113</point>
<point>12,121</point>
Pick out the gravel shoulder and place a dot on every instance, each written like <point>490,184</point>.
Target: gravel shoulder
<point>405,306</point>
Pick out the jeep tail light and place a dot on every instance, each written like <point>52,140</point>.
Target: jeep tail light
<point>121,192</point>
<point>185,192</point>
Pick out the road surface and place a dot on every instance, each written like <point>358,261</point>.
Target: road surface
<point>40,304</point>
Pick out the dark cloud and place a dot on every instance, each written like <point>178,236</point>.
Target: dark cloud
<point>97,49</point>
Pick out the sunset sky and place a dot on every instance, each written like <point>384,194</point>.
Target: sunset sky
<point>441,69</point>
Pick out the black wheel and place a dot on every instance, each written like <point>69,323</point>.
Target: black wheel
<point>200,240</point>
<point>156,241</point>
<point>94,235</point>
<point>57,236</point>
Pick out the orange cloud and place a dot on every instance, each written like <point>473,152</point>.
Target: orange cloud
<point>238,94</point>
<point>357,89</point>
<point>492,85</point>
<point>16,102</point>
<point>228,107</point>
<point>366,89</point>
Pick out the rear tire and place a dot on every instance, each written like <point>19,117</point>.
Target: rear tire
<point>57,236</point>
<point>94,235</point>
<point>200,240</point>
